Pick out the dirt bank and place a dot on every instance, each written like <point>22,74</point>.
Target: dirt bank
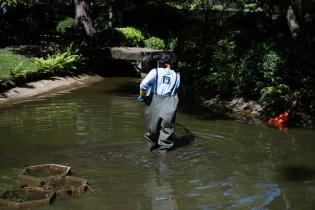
<point>252,111</point>
<point>47,86</point>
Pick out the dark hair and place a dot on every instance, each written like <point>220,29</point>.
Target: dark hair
<point>167,57</point>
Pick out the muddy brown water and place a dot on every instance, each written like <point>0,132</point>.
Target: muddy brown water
<point>97,130</point>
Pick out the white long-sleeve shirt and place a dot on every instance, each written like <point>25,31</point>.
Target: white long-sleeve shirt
<point>168,82</point>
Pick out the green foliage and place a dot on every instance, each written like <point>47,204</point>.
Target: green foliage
<point>108,37</point>
<point>155,43</point>
<point>185,4</point>
<point>12,64</point>
<point>308,93</point>
<point>17,70</point>
<point>191,49</point>
<point>211,60</point>
<point>250,5</point>
<point>277,99</point>
<point>224,61</point>
<point>190,76</point>
<point>31,3</point>
<point>65,24</point>
<point>132,37</point>
<point>260,66</point>
<point>192,46</point>
<point>9,3</point>
<point>67,61</point>
<point>196,50</point>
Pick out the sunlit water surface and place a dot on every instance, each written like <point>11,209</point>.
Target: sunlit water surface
<point>98,131</point>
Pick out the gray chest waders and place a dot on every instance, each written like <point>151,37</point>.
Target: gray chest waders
<point>160,116</point>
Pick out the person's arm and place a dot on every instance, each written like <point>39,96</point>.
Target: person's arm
<point>177,83</point>
<point>146,83</point>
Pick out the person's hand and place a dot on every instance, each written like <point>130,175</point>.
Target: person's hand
<point>141,99</point>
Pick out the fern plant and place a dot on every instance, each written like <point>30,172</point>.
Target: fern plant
<point>60,62</point>
<point>62,26</point>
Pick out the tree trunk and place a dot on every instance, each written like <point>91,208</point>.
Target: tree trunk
<point>297,20</point>
<point>82,16</point>
<point>110,15</point>
<point>293,22</point>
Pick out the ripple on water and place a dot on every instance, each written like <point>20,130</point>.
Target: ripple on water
<point>100,133</point>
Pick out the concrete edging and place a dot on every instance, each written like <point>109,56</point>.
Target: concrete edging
<point>46,86</point>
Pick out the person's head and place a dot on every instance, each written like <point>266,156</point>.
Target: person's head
<point>167,58</point>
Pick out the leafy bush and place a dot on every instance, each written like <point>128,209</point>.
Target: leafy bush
<point>191,46</point>
<point>195,51</point>
<point>108,37</point>
<point>155,43</point>
<point>272,65</point>
<point>60,62</point>
<point>277,99</point>
<point>260,66</point>
<point>132,37</point>
<point>190,76</point>
<point>224,60</point>
<point>65,24</point>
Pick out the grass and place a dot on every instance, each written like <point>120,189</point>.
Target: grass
<point>17,69</point>
<point>13,64</point>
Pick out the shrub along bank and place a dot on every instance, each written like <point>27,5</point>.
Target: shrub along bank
<point>256,61</point>
<point>128,37</point>
<point>18,70</point>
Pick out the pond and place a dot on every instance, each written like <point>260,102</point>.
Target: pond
<point>98,131</point>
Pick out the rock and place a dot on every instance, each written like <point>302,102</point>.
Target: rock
<point>236,108</point>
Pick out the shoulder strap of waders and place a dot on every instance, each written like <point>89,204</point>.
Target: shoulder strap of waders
<point>156,81</point>
<point>174,86</point>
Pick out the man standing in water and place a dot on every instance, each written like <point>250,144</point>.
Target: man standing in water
<point>163,84</point>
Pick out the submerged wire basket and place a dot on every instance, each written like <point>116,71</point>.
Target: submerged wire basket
<point>38,174</point>
<point>67,185</point>
<point>26,198</point>
<point>40,184</point>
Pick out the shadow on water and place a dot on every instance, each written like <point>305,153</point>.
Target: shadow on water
<point>179,141</point>
<point>115,68</point>
<point>205,113</point>
<point>187,137</point>
<point>295,173</point>
<point>182,138</point>
<point>124,89</point>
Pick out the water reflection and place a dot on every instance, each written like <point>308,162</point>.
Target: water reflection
<point>218,164</point>
<point>159,189</point>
